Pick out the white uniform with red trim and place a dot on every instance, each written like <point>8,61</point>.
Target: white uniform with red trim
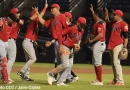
<point>4,36</point>
<point>12,49</point>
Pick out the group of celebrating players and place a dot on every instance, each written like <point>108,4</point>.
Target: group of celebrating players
<point>66,38</point>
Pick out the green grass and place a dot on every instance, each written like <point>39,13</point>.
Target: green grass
<point>74,66</point>
<point>82,84</point>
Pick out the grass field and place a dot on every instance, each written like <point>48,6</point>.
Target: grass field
<point>83,84</point>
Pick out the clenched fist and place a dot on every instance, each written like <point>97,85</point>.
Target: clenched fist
<point>48,43</point>
<point>76,47</point>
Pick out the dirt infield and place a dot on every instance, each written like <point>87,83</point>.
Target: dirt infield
<point>77,70</point>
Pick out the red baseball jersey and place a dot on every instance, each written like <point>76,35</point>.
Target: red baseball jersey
<point>72,36</point>
<point>5,32</point>
<point>57,24</point>
<point>15,30</point>
<point>32,30</point>
<point>116,38</point>
<point>100,28</point>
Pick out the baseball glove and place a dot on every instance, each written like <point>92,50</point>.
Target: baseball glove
<point>90,36</point>
<point>123,54</point>
<point>42,50</point>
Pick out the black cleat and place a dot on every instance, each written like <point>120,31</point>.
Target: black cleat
<point>68,81</point>
<point>21,74</point>
<point>28,79</point>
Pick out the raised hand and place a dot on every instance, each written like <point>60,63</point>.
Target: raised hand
<point>36,10</point>
<point>106,11</point>
<point>46,4</point>
<point>91,7</point>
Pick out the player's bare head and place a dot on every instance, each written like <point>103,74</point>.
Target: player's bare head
<point>55,8</point>
<point>81,22</point>
<point>117,15</point>
<point>99,14</point>
<point>15,11</point>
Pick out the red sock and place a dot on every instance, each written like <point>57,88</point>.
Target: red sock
<point>99,73</point>
<point>4,69</point>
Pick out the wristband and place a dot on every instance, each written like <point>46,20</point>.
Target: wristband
<point>53,41</point>
<point>17,20</point>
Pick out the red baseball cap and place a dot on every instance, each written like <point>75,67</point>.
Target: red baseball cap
<point>68,14</point>
<point>81,20</point>
<point>118,12</point>
<point>55,6</point>
<point>14,10</point>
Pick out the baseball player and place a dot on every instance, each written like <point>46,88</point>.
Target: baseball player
<point>118,40</point>
<point>5,29</point>
<point>99,45</point>
<point>11,49</point>
<point>73,35</point>
<point>72,77</point>
<point>30,38</point>
<point>68,16</point>
<point>57,24</point>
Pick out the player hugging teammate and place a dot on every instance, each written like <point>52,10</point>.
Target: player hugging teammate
<point>66,38</point>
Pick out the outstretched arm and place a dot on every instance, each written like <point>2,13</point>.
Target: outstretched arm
<point>106,15</point>
<point>92,10</point>
<point>41,20</point>
<point>44,9</point>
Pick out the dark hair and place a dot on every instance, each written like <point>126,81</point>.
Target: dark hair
<point>12,16</point>
<point>99,13</point>
<point>82,25</point>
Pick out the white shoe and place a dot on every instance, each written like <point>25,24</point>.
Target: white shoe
<point>7,82</point>
<point>62,84</point>
<point>50,79</point>
<point>54,80</point>
<point>11,80</point>
<point>96,82</point>
<point>74,79</point>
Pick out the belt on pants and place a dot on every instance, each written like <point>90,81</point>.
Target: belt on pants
<point>13,39</point>
<point>68,47</point>
<point>102,42</point>
<point>29,40</point>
